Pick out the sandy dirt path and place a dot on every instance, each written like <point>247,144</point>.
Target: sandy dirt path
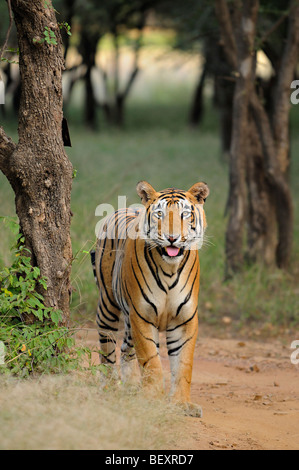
<point>249,392</point>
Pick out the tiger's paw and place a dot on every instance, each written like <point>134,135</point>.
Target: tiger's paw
<point>192,409</point>
<point>153,388</point>
<point>130,373</point>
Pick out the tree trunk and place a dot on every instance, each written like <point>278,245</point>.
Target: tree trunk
<point>37,168</point>
<point>223,97</point>
<point>196,112</point>
<point>278,183</point>
<point>270,209</point>
<point>261,222</point>
<point>88,49</point>
<point>119,111</point>
<point>120,96</point>
<point>220,70</point>
<point>237,203</point>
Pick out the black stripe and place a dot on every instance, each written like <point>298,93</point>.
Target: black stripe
<point>106,340</point>
<point>189,275</point>
<point>93,257</point>
<point>108,360</point>
<point>157,279</point>
<point>149,359</point>
<point>104,326</point>
<point>142,291</point>
<point>172,352</point>
<point>103,281</point>
<point>126,342</point>
<point>171,195</point>
<point>136,256</point>
<point>113,315</point>
<point>150,339</point>
<point>173,341</point>
<point>180,270</point>
<point>184,323</point>
<point>166,274</point>
<point>147,321</point>
<point>105,316</point>
<point>148,222</point>
<point>187,298</point>
<point>107,355</point>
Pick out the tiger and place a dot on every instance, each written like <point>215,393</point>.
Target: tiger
<point>146,265</point>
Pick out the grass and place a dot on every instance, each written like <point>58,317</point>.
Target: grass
<point>76,412</point>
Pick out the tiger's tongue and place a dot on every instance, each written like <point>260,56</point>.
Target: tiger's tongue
<point>172,250</point>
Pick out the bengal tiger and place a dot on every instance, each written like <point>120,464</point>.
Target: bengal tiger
<point>146,265</point>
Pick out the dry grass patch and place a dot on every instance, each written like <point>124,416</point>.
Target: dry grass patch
<point>75,412</point>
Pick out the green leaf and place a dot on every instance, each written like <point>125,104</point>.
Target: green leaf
<point>104,369</point>
<point>36,272</point>
<point>43,282</point>
<point>39,314</point>
<point>55,316</point>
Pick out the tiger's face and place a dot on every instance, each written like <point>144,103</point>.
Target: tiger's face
<point>174,220</point>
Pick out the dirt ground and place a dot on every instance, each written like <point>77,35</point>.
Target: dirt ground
<point>249,393</point>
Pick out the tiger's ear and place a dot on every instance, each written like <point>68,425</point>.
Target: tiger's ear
<point>145,191</point>
<point>200,191</point>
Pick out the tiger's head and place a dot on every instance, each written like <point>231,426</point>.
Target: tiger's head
<point>174,220</point>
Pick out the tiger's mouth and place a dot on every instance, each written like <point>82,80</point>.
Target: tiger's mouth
<point>172,251</point>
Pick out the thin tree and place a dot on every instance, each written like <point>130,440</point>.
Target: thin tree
<point>37,167</point>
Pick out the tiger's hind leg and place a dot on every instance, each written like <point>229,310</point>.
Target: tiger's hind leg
<point>107,322</point>
<point>128,362</point>
<point>108,311</point>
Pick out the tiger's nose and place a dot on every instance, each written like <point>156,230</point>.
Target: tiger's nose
<point>172,238</point>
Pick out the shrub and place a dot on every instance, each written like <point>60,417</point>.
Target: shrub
<point>31,333</point>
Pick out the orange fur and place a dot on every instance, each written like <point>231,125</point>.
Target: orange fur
<point>147,266</point>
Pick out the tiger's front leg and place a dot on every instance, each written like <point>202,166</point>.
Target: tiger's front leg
<point>181,335</point>
<point>146,344</point>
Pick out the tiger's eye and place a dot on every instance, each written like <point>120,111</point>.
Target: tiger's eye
<point>186,214</point>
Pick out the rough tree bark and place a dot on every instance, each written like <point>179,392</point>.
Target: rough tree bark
<point>261,219</point>
<point>243,62</point>
<point>263,158</point>
<point>37,167</point>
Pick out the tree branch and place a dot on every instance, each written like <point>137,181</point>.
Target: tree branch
<point>273,28</point>
<point>226,31</point>
<point>265,132</point>
<point>135,67</point>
